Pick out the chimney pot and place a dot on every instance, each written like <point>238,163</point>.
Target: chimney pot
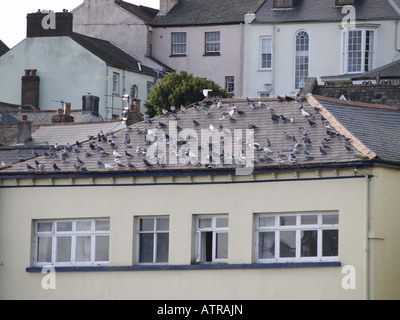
<point>24,118</point>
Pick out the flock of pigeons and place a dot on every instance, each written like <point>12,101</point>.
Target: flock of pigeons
<point>116,152</point>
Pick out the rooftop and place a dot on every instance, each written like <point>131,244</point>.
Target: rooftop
<point>325,11</point>
<point>270,135</point>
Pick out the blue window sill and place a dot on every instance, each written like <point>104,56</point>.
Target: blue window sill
<point>191,267</point>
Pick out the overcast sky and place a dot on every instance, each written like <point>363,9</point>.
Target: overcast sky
<point>13,15</point>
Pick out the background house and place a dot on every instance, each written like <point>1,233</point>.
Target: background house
<point>204,38</point>
<point>61,65</point>
<point>288,41</point>
<point>3,48</point>
<point>317,227</point>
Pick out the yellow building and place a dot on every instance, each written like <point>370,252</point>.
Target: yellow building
<point>284,200</point>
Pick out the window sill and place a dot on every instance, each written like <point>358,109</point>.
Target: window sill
<point>192,267</point>
<point>212,54</point>
<point>178,56</point>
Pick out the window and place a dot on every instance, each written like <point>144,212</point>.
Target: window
<point>213,45</point>
<point>153,240</point>
<point>150,86</point>
<point>178,44</point>
<point>72,242</point>
<point>230,84</point>
<point>266,52</point>
<point>344,2</point>
<point>116,83</point>
<point>359,50</point>
<point>283,3</point>
<point>297,237</point>
<point>211,239</point>
<point>302,59</point>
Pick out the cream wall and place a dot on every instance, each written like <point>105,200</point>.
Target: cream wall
<point>181,202</point>
<point>325,53</point>
<point>215,68</point>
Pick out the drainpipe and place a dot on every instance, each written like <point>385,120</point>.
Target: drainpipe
<point>368,275</point>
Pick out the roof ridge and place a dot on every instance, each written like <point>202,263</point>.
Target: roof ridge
<point>313,101</point>
<point>357,103</point>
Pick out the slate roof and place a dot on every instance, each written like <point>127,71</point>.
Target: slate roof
<point>377,127</point>
<point>388,71</point>
<point>46,135</point>
<point>111,54</point>
<point>324,11</point>
<point>142,12</point>
<point>158,150</point>
<point>205,12</point>
<point>3,48</point>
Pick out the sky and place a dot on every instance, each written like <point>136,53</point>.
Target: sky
<point>13,15</point>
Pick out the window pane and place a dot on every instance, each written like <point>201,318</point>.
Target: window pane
<point>44,249</point>
<point>222,245</point>
<point>147,224</point>
<point>266,245</point>
<point>330,241</point>
<point>83,225</point>
<point>330,219</point>
<point>267,221</point>
<point>287,244</point>
<point>162,247</point>
<point>309,242</point>
<point>146,247</point>
<point>222,222</point>
<point>45,226</point>
<point>205,223</point>
<point>102,248</point>
<point>103,225</point>
<point>63,249</point>
<point>288,221</point>
<point>83,248</point>
<point>309,219</point>
<point>162,224</point>
<point>206,246</point>
<point>63,226</point>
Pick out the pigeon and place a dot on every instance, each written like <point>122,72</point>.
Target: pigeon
<point>99,163</point>
<point>108,167</point>
<point>322,150</point>
<point>78,144</point>
<point>29,167</point>
<point>88,154</point>
<point>308,156</point>
<point>127,139</point>
<point>195,123</point>
<point>34,153</point>
<point>274,117</point>
<point>148,164</point>
<point>348,148</point>
<point>252,126</point>
<point>55,167</point>
<point>162,125</point>
<point>280,99</point>
<point>116,154</point>
<point>128,154</point>
<point>130,165</point>
<point>79,160</point>
<point>305,113</point>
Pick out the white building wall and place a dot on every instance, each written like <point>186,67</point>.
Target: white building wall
<point>325,53</point>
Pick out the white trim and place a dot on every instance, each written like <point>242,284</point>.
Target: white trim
<point>297,228</point>
<point>260,53</point>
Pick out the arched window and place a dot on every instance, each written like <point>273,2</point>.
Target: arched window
<point>301,59</point>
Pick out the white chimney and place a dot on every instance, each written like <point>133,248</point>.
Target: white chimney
<point>167,5</point>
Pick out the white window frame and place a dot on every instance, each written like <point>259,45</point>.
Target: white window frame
<point>116,83</point>
<point>230,84</point>
<point>276,228</point>
<point>155,233</point>
<point>363,50</point>
<point>54,234</point>
<point>266,50</point>
<point>213,45</point>
<point>178,43</point>
<point>200,249</point>
<point>301,54</point>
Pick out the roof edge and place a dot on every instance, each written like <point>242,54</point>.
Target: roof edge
<point>339,127</point>
<point>357,104</point>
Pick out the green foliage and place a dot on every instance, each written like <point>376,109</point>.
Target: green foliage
<point>178,89</point>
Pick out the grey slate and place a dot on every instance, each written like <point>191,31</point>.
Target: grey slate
<point>324,11</point>
<point>205,12</point>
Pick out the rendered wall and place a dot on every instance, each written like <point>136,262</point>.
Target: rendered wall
<point>181,203</point>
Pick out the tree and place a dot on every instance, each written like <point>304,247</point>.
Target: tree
<point>178,89</point>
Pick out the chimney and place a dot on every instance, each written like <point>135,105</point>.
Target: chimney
<point>30,88</point>
<point>24,130</point>
<point>167,5</point>
<point>49,24</point>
